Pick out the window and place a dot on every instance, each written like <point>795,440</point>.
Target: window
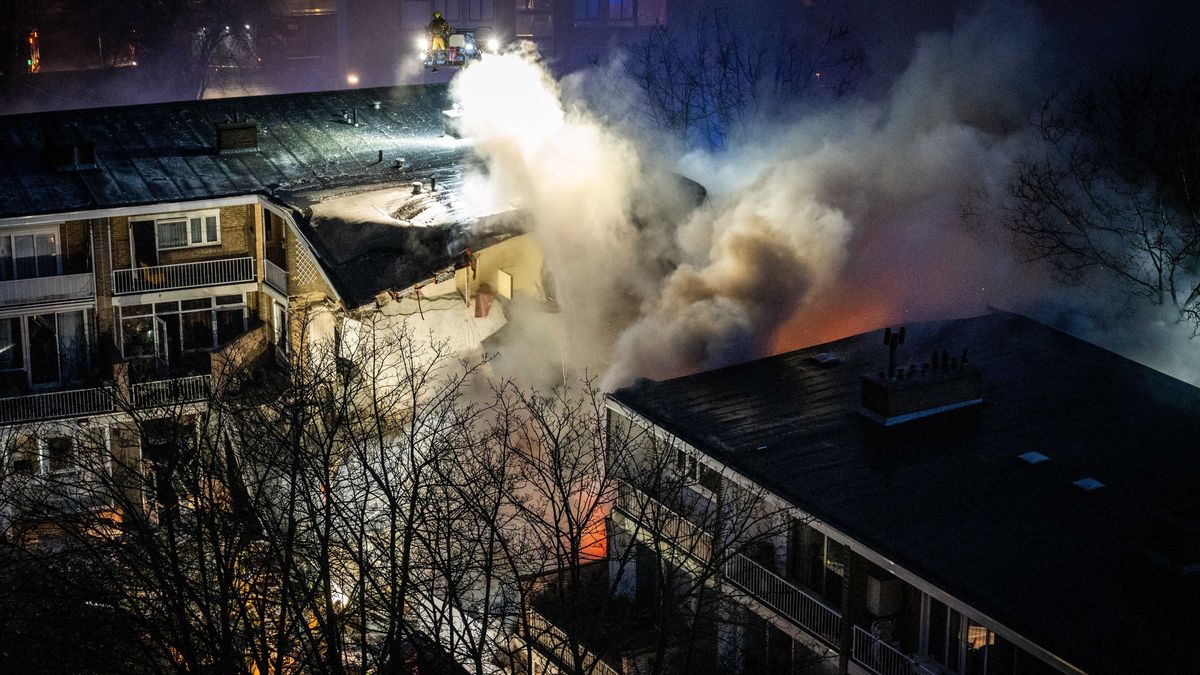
<point>26,459</point>
<point>11,353</point>
<point>49,348</point>
<point>58,454</point>
<point>185,230</point>
<point>481,10</point>
<point>587,9</point>
<point>281,329</point>
<point>194,325</point>
<point>29,254</point>
<point>35,456</point>
<point>697,472</point>
<point>172,234</point>
<point>623,10</point>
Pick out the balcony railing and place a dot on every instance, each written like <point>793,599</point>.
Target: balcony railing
<point>763,585</point>
<point>55,405</point>
<point>775,592</point>
<point>183,275</point>
<point>881,658</point>
<point>668,524</point>
<point>276,276</point>
<point>47,289</point>
<point>171,392</point>
<point>556,643</point>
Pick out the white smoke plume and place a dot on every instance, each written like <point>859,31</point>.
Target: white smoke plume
<point>577,180</point>
<point>852,218</point>
<point>840,221</point>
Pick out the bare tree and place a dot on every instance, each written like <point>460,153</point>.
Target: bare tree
<point>1112,187</point>
<point>185,41</point>
<point>705,82</point>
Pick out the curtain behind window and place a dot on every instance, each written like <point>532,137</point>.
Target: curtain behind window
<point>172,234</point>
<point>72,341</point>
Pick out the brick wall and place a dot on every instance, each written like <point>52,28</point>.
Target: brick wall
<point>237,239</point>
<point>75,246</point>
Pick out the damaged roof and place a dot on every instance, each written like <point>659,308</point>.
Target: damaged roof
<point>948,497</point>
<point>392,237</point>
<point>308,152</point>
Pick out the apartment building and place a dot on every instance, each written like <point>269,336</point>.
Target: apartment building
<point>147,251</point>
<point>999,497</point>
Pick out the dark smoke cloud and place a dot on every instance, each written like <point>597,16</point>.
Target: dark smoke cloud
<point>852,217</point>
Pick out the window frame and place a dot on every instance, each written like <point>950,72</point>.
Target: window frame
<point>186,217</point>
<point>26,357</point>
<point>153,312</point>
<point>55,231</point>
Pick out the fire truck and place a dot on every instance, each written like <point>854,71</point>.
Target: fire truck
<point>20,52</point>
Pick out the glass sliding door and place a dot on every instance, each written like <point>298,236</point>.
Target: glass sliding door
<point>43,349</point>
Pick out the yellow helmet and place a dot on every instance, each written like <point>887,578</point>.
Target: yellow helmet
<point>437,15</point>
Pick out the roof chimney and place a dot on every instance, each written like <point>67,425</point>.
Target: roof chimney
<point>894,396</point>
<point>237,136</point>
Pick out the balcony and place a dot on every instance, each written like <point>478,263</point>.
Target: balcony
<point>276,276</point>
<point>170,392</point>
<point>55,405</point>
<point>183,275</point>
<point>760,584</point>
<point>47,289</point>
<point>881,658</point>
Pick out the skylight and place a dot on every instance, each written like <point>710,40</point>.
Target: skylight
<point>1088,484</point>
<point>1033,457</point>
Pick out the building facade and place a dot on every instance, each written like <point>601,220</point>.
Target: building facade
<point>981,515</point>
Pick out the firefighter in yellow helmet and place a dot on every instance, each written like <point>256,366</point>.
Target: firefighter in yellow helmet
<point>438,31</point>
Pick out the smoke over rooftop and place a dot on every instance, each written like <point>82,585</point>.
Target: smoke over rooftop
<point>832,222</point>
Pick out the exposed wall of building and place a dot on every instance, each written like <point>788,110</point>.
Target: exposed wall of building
<point>519,257</point>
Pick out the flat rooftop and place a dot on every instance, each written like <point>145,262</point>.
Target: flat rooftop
<point>309,159</point>
<point>163,152</point>
<point>947,497</point>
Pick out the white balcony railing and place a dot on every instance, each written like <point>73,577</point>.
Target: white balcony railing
<point>183,275</point>
<point>681,532</point>
<point>882,658</point>
<point>775,592</point>
<point>171,392</point>
<point>763,585</point>
<point>557,644</point>
<point>47,289</point>
<point>276,276</point>
<point>55,405</point>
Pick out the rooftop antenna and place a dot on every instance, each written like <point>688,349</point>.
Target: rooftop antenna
<point>892,340</point>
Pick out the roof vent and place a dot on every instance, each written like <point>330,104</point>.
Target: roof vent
<point>1033,457</point>
<point>237,136</point>
<point>1088,484</point>
<point>826,359</point>
<point>1174,539</point>
<point>70,151</point>
<point>452,122</point>
<point>900,395</point>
